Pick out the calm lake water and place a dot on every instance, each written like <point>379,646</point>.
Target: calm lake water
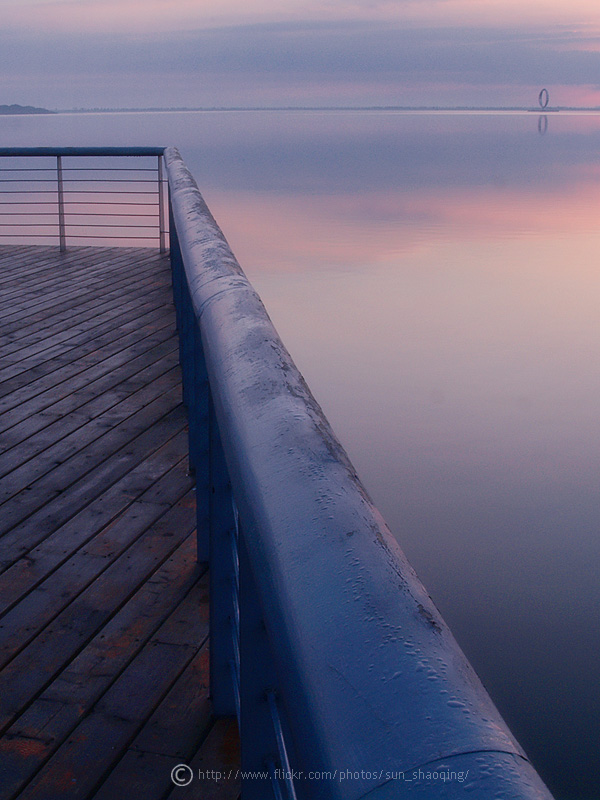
<point>437,279</point>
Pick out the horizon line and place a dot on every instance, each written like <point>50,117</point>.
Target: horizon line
<point>528,109</point>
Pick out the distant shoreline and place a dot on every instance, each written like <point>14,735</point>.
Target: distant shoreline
<point>427,109</point>
<point>16,110</point>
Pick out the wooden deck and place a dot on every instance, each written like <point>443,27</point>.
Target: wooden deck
<point>103,608</point>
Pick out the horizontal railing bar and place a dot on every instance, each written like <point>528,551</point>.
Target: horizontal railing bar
<point>34,169</point>
<point>104,203</point>
<point>78,169</point>
<point>110,226</point>
<point>78,203</point>
<point>79,214</point>
<point>95,192</point>
<point>106,180</point>
<point>115,236</point>
<point>110,169</point>
<point>75,236</point>
<point>81,151</point>
<point>78,180</point>
<point>107,214</point>
<point>142,192</point>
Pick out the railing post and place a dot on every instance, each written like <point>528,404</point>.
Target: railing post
<point>195,392</point>
<point>224,581</point>
<point>162,233</point>
<point>261,752</point>
<point>176,268</point>
<point>61,205</point>
<point>186,353</point>
<point>199,425</point>
<point>215,518</point>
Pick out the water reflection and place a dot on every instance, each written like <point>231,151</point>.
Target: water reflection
<point>442,291</point>
<point>436,279</point>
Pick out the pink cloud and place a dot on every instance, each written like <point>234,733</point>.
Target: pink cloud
<point>156,15</point>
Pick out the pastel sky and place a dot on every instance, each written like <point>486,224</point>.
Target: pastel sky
<point>139,53</point>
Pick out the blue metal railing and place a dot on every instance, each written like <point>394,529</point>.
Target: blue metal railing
<point>346,681</point>
<point>80,194</point>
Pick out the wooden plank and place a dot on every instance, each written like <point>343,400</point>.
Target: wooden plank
<point>138,774</point>
<point>21,466</point>
<point>103,321</point>
<point>66,381</point>
<point>27,332</point>
<point>47,314</point>
<point>72,532</point>
<point>102,736</point>
<point>57,276</point>
<point>44,603</point>
<point>64,481</point>
<point>73,774</point>
<point>164,372</point>
<point>28,303</point>
<point>171,736</point>
<point>38,314</point>
<point>117,381</point>
<point>46,723</point>
<point>32,262</point>
<point>91,364</point>
<point>64,505</point>
<point>131,696</point>
<point>21,261</point>
<point>73,322</point>
<point>220,754</point>
<point>77,624</point>
<point>54,271</point>
<point>46,351</point>
<point>117,317</point>
<point>32,270</point>
<point>166,480</point>
<point>180,723</point>
<point>88,675</point>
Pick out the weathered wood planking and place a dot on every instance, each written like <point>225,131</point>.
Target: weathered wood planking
<point>103,608</point>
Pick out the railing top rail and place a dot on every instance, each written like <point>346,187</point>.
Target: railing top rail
<point>370,674</point>
<point>81,151</point>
